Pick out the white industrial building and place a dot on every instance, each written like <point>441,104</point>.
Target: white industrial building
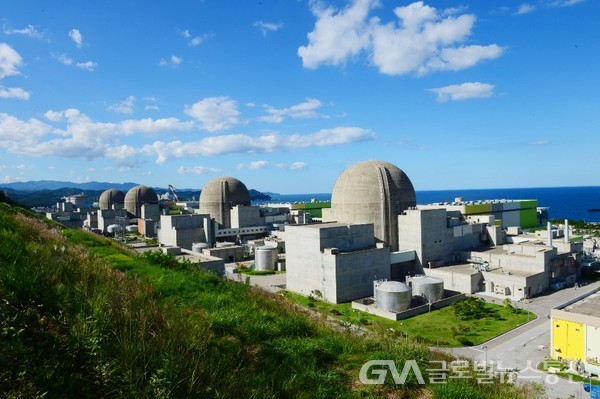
<point>339,260</point>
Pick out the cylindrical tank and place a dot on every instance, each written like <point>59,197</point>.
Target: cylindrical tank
<point>132,228</point>
<point>199,246</point>
<point>430,288</point>
<point>393,296</point>
<point>113,228</point>
<point>265,258</point>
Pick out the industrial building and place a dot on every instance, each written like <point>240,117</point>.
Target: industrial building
<point>470,246</point>
<point>372,192</point>
<point>338,260</point>
<point>575,333</point>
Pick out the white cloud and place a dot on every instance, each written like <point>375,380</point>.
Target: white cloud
<point>29,31</point>
<point>88,65</point>
<point>266,27</point>
<point>151,108</point>
<point>306,109</point>
<point>564,3</point>
<point>241,143</point>
<point>298,165</point>
<point>253,165</point>
<point>422,41</point>
<point>463,91</point>
<point>215,113</point>
<point>15,133</point>
<point>539,143</point>
<point>10,61</point>
<point>337,37</point>
<point>197,170</point>
<point>14,92</point>
<point>123,107</point>
<point>173,61</point>
<point>77,37</point>
<point>192,41</point>
<point>525,8</point>
<point>66,60</point>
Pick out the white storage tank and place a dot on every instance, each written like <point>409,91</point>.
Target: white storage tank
<point>430,288</point>
<point>393,296</point>
<point>199,246</point>
<point>132,228</point>
<point>265,258</point>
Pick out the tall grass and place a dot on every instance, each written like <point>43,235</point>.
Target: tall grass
<point>81,316</point>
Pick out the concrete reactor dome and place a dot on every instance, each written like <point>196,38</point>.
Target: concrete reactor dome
<point>138,196</point>
<point>220,195</point>
<point>373,192</point>
<point>111,197</point>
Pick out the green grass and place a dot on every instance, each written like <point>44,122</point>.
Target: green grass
<point>82,316</point>
<point>432,329</point>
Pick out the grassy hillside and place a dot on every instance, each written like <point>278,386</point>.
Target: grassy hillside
<point>81,316</point>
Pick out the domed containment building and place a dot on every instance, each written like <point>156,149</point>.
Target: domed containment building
<point>111,199</point>
<point>137,197</point>
<point>373,192</point>
<point>220,195</point>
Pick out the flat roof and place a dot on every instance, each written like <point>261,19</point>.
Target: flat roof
<point>464,268</point>
<point>589,306</point>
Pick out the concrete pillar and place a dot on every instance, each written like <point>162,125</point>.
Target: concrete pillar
<point>549,228</point>
<point>567,234</point>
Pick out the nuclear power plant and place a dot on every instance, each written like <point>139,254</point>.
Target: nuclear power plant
<point>374,246</point>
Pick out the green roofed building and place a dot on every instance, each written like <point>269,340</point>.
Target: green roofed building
<point>506,213</point>
<point>314,208</point>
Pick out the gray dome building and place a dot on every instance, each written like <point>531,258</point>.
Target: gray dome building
<point>373,192</point>
<point>220,195</point>
<point>110,198</point>
<point>138,196</point>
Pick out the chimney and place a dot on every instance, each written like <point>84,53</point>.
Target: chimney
<point>549,228</point>
<point>567,235</point>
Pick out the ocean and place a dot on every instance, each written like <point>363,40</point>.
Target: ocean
<point>571,203</point>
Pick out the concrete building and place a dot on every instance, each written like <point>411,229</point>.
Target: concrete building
<point>575,333</point>
<point>220,195</point>
<point>472,254</point>
<point>336,259</point>
<point>506,213</point>
<point>185,230</point>
<point>141,203</point>
<point>372,192</point>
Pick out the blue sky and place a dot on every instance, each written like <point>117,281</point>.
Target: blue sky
<point>284,95</point>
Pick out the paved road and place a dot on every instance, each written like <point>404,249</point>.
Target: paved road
<point>524,347</point>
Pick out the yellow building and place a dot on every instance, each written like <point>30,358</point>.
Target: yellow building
<point>576,332</point>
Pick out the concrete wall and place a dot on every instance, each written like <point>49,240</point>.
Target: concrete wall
<point>339,260</point>
<point>455,281</point>
<point>245,216</point>
<point>182,230</point>
<point>592,346</point>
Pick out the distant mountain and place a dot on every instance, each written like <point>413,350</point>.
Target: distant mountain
<point>49,192</point>
<point>56,185</point>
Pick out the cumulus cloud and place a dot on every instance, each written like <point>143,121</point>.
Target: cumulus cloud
<point>192,41</point>
<point>525,9</point>
<point>197,170</point>
<point>29,31</point>
<point>242,143</point>
<point>423,40</point>
<point>337,36</point>
<point>307,109</point>
<point>253,165</point>
<point>123,107</point>
<point>77,37</point>
<point>66,60</point>
<point>266,27</point>
<point>10,61</point>
<point>463,91</point>
<point>14,92</point>
<point>215,113</point>
<point>173,61</point>
<point>298,165</point>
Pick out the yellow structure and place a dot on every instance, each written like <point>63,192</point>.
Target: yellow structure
<point>576,332</point>
<point>568,339</point>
